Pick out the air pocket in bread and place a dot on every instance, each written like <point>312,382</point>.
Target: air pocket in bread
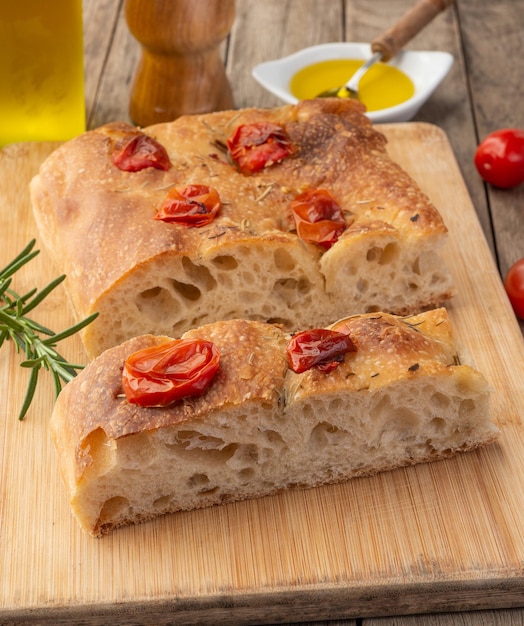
<point>297,215</point>
<point>397,394</point>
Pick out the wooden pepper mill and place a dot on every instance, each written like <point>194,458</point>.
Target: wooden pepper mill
<point>181,70</point>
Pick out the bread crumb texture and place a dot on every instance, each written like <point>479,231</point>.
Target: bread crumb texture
<point>403,397</point>
<point>145,276</point>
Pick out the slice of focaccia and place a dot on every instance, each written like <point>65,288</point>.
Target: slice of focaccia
<point>400,396</point>
<point>372,245</point>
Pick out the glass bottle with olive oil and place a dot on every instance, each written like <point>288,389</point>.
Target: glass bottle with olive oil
<point>41,70</point>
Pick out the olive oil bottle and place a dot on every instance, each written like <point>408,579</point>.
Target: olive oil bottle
<point>41,70</point>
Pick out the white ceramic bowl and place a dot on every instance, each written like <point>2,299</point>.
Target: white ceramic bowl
<point>426,70</point>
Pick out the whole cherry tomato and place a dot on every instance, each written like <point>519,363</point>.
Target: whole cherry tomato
<point>318,217</point>
<point>163,374</point>
<point>320,348</point>
<point>136,151</point>
<point>258,145</point>
<point>500,158</point>
<point>192,205</point>
<point>514,285</point>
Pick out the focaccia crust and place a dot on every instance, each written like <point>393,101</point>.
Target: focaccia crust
<point>97,222</point>
<point>403,397</point>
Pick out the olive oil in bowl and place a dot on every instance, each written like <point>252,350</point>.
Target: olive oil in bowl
<point>382,86</point>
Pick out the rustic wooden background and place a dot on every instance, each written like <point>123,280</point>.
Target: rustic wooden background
<point>481,93</point>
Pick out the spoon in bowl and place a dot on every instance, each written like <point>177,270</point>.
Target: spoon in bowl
<point>390,42</point>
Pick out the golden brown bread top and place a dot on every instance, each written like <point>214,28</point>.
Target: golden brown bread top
<point>99,219</point>
<point>253,369</point>
<point>389,349</point>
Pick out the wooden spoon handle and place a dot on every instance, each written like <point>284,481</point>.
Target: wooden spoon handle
<point>410,24</point>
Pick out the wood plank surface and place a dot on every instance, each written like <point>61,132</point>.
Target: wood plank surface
<point>480,94</point>
<point>437,537</point>
<point>476,618</point>
<point>489,37</point>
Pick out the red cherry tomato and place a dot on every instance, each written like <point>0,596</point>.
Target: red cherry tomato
<point>258,145</point>
<point>318,217</point>
<point>191,205</point>
<point>320,348</point>
<point>514,285</point>
<point>136,151</point>
<point>163,374</point>
<point>500,158</point>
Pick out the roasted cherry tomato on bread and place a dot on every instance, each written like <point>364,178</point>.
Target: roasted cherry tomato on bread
<point>191,205</point>
<point>258,145</point>
<point>136,151</point>
<point>514,285</point>
<point>320,348</point>
<point>499,159</point>
<point>163,374</point>
<point>318,217</point>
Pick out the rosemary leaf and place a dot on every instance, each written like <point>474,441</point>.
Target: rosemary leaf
<point>4,286</point>
<point>30,337</point>
<point>29,394</point>
<point>58,383</point>
<point>24,257</point>
<point>17,340</point>
<point>9,321</point>
<point>26,296</point>
<point>42,294</point>
<point>73,329</point>
<point>39,328</point>
<point>31,363</point>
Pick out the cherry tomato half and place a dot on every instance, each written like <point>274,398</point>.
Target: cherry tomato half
<point>514,285</point>
<point>192,205</point>
<point>136,151</point>
<point>258,145</point>
<point>499,159</point>
<point>320,348</point>
<point>318,217</point>
<point>163,374</point>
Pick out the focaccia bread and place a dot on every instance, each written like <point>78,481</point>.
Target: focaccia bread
<point>402,397</point>
<point>146,276</point>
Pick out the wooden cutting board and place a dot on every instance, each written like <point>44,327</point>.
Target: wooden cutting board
<point>437,537</point>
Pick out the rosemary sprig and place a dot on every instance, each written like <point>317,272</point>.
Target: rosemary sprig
<point>36,341</point>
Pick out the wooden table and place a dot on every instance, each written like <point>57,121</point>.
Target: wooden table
<point>480,94</point>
